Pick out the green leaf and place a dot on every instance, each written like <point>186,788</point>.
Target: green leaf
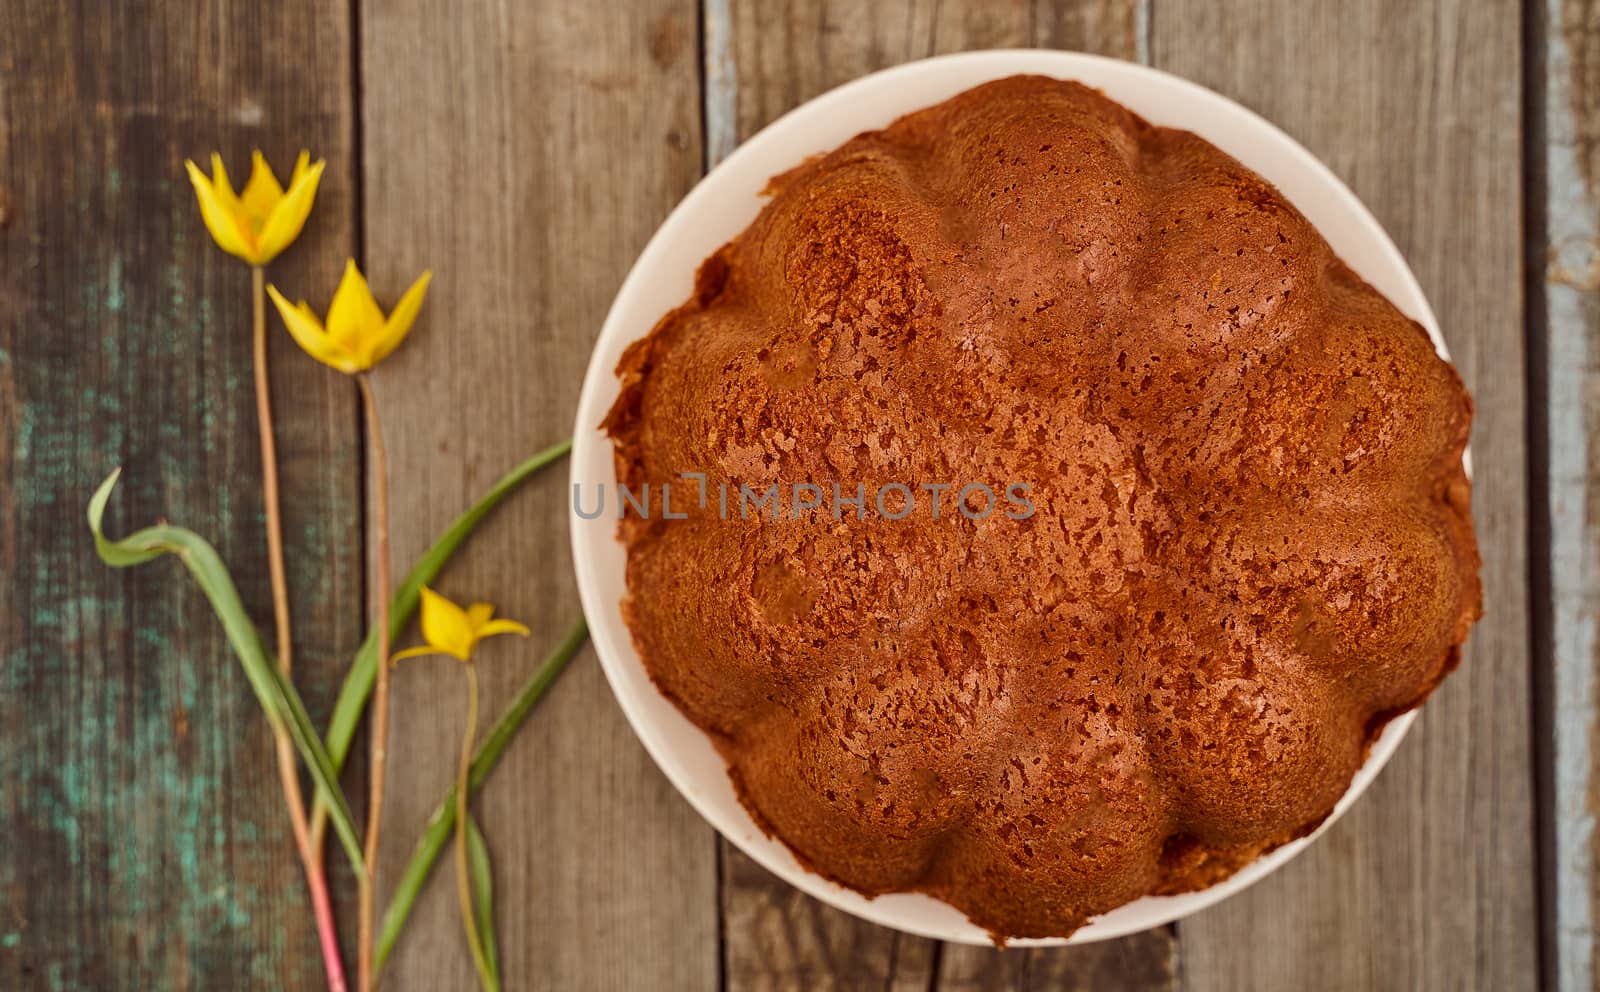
<point>278,699</point>
<point>358,683</point>
<point>437,831</point>
<point>482,880</point>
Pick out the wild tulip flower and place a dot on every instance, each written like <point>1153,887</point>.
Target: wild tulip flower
<point>450,630</point>
<point>357,335</point>
<point>263,220</point>
<point>256,225</point>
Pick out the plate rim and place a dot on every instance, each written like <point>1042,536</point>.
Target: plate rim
<point>591,455</point>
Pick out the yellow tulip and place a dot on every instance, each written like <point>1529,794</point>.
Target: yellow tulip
<point>357,335</point>
<point>260,222</point>
<point>450,630</point>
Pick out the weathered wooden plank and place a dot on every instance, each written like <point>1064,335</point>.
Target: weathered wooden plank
<point>1143,961</point>
<point>760,64</point>
<point>146,843</point>
<point>526,152</point>
<point>777,937</point>
<point>1568,297</point>
<point>1429,882</point>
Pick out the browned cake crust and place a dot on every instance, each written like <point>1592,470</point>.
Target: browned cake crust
<point>1251,543</point>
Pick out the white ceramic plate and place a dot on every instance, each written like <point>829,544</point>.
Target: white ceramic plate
<point>724,203</point>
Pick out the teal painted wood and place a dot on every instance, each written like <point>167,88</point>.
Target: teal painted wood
<point>144,840</point>
<point>145,843</point>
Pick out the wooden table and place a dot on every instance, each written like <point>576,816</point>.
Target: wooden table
<point>526,151</point>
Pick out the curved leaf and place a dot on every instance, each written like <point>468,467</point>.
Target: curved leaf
<point>278,698</point>
<point>437,832</point>
<point>358,683</point>
<point>482,879</point>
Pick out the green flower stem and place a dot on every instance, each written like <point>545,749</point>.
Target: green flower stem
<point>363,673</point>
<point>437,832</point>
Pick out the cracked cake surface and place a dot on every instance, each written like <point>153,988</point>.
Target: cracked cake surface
<point>1250,543</point>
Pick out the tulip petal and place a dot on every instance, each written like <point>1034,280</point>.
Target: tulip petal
<point>302,165</point>
<point>261,194</point>
<point>288,216</point>
<point>401,318</point>
<point>478,614</point>
<point>502,626</point>
<point>230,199</point>
<point>444,626</point>
<point>417,652</point>
<point>308,333</point>
<point>219,178</point>
<point>354,320</point>
<point>219,219</point>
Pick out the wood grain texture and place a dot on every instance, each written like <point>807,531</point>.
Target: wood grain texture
<point>760,64</point>
<point>1429,881</point>
<point>146,844</point>
<point>764,62</point>
<point>1568,298</point>
<point>777,937</point>
<point>526,152</point>
<point>1136,963</point>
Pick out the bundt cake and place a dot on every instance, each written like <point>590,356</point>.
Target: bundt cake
<point>1246,545</point>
